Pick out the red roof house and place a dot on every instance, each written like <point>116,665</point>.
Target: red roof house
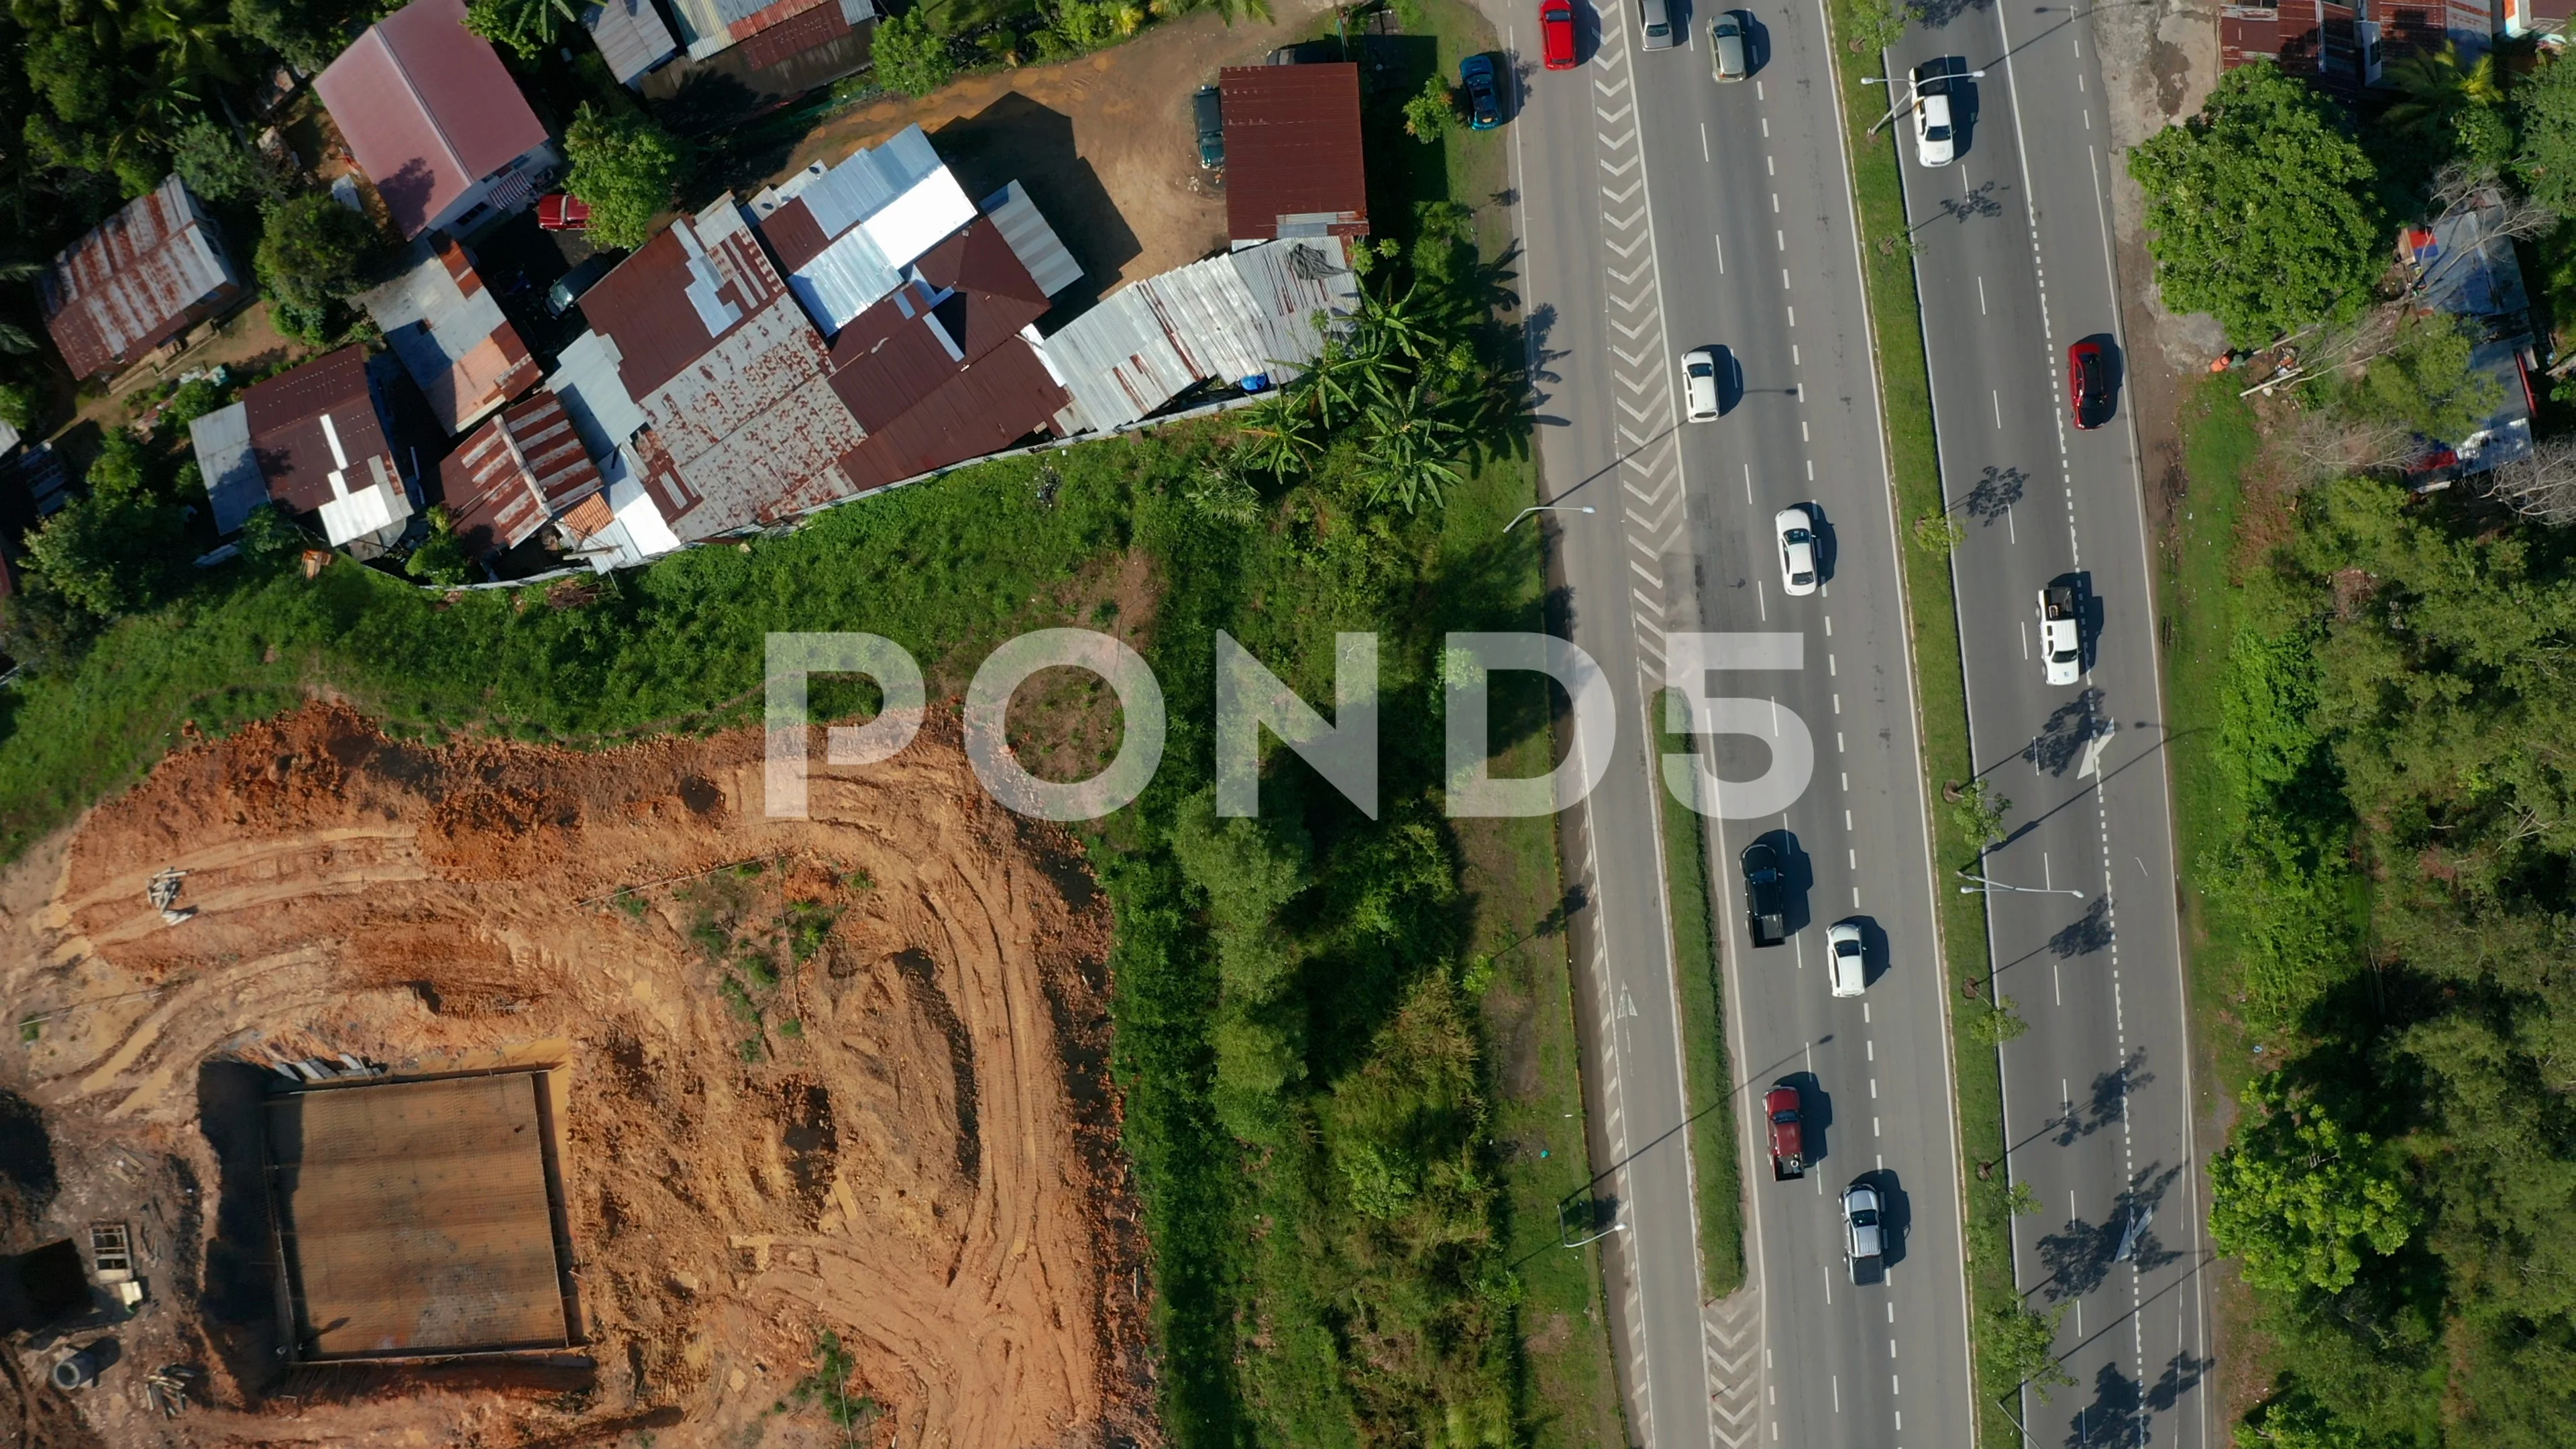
<point>515,474</point>
<point>435,121</point>
<point>1292,152</point>
<point>138,279</point>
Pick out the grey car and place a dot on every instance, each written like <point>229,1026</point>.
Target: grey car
<point>1726,46</point>
<point>1207,114</point>
<point>1864,1237</point>
<point>1655,20</point>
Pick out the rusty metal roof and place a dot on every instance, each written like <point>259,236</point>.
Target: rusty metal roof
<point>970,296</point>
<point>135,281</point>
<point>1292,151</point>
<point>319,442</point>
<point>515,473</point>
<point>428,110</point>
<point>1002,398</point>
<point>731,374</point>
<point>447,328</point>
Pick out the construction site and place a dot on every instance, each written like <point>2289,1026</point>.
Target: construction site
<point>370,1091</point>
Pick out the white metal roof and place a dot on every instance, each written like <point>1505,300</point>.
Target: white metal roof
<point>587,383</point>
<point>631,37</point>
<point>881,208</point>
<point>1032,240</point>
<point>234,484</point>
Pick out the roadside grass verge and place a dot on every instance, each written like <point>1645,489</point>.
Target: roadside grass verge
<point>1709,1083</point>
<point>1905,391</point>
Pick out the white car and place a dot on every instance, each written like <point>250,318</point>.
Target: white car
<point>2061,633</point>
<point>1699,384</point>
<point>1726,46</point>
<point>1933,143</point>
<point>1864,1237</point>
<point>1850,959</point>
<point>1796,528</point>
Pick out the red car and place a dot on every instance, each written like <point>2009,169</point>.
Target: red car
<point>2088,383</point>
<point>1788,1136</point>
<point>563,211</point>
<point>1556,33</point>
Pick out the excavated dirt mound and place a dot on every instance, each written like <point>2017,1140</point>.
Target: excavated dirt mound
<point>845,1073</point>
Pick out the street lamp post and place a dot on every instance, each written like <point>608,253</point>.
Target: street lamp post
<point>1983,884</point>
<point>1547,508</point>
<point>1911,85</point>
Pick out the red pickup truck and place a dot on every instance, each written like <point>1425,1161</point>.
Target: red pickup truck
<point>1788,1137</point>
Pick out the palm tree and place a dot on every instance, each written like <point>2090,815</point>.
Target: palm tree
<point>2436,88</point>
<point>1398,324</point>
<point>1409,442</point>
<point>1279,436</point>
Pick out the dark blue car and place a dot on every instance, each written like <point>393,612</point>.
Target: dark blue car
<point>1484,103</point>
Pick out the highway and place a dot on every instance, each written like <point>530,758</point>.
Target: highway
<point>2015,265</point>
<point>1661,211</point>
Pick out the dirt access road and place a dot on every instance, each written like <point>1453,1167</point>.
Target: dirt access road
<point>1104,142</point>
<point>843,1073</point>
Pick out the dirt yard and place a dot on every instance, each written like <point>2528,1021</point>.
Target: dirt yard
<point>1104,143</point>
<point>844,1074</point>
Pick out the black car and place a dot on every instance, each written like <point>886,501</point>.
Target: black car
<point>1766,895</point>
<point>1484,106</point>
<point>1208,109</point>
<point>569,287</point>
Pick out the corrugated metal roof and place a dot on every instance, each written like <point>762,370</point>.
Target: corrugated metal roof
<point>645,307</point>
<point>1293,162</point>
<point>708,26</point>
<point>846,233</point>
<point>135,281</point>
<point>447,328</point>
<point>1227,318</point>
<point>1032,240</point>
<point>2471,270</point>
<point>428,110</point>
<point>234,485</point>
<point>780,43</point>
<point>516,472</point>
<point>313,422</point>
<point>631,37</point>
<point>585,380</point>
<point>982,409</point>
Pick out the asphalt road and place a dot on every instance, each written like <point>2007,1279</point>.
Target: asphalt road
<point>1661,211</point>
<point>2016,264</point>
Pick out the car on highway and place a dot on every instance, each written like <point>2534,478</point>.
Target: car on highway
<point>2088,383</point>
<point>1484,99</point>
<point>1864,1235</point>
<point>1766,895</point>
<point>1726,57</point>
<point>1788,1133</point>
<point>1848,967</point>
<point>1655,23</point>
<point>1207,113</point>
<point>2061,632</point>
<point>1699,384</point>
<point>1934,143</point>
<point>1796,530</point>
<point>1556,33</point>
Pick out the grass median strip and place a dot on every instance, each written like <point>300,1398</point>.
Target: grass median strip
<point>1709,1083</point>
<point>1914,468</point>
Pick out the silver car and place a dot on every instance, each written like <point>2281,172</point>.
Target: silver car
<point>1850,964</point>
<point>1726,46</point>
<point>1699,384</point>
<point>1796,528</point>
<point>1655,19</point>
<point>1864,1238</point>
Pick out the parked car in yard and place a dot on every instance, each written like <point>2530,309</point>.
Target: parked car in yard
<point>1556,33</point>
<point>1484,98</point>
<point>563,211</point>
<point>1207,112</point>
<point>569,287</point>
<point>1788,1133</point>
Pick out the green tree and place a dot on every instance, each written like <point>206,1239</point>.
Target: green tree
<point>910,57</point>
<point>1874,26</point>
<point>313,253</point>
<point>17,404</point>
<point>291,29</point>
<point>1979,813</point>
<point>529,28</point>
<point>2022,1342</point>
<point>2545,104</point>
<point>74,79</point>
<point>2296,1197</point>
<point>109,552</point>
<point>2427,381</point>
<point>625,167</point>
<point>2448,107</point>
<point>1406,456</point>
<point>2296,1420</point>
<point>1433,112</point>
<point>219,166</point>
<point>438,558</point>
<point>2261,209</point>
